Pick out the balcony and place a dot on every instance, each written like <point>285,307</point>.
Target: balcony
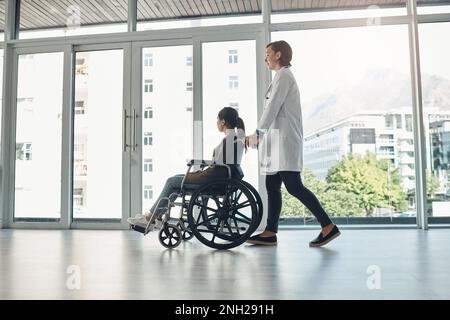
<point>406,160</point>
<point>388,142</point>
<point>386,152</point>
<point>80,169</point>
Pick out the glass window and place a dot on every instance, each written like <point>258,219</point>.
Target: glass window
<point>148,192</point>
<point>351,76</point>
<point>148,86</point>
<point>2,19</point>
<point>330,10</point>
<point>38,152</point>
<point>233,82</point>
<point>1,95</point>
<point>49,18</point>
<point>433,7</point>
<point>80,107</point>
<point>152,15</point>
<point>148,138</point>
<point>398,121</point>
<point>389,121</point>
<point>408,123</point>
<point>148,59</point>
<point>232,56</point>
<point>148,165</point>
<point>78,199</point>
<point>435,71</point>
<point>215,71</point>
<point>148,113</point>
<point>189,61</point>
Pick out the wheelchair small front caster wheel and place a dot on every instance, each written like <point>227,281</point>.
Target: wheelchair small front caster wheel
<point>170,236</point>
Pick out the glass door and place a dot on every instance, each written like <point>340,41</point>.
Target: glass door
<point>38,136</point>
<point>102,129</point>
<point>72,132</point>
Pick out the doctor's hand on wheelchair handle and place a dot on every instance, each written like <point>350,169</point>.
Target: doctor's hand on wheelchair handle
<point>252,141</point>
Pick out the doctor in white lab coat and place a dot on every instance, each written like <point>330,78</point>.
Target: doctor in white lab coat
<point>279,137</point>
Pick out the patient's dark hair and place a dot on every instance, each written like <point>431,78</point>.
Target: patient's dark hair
<point>232,119</point>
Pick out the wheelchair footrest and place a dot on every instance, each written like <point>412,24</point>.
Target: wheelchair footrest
<point>138,229</point>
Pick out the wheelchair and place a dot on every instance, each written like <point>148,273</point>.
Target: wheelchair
<point>221,214</point>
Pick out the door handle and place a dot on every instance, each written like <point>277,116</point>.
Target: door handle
<point>125,117</point>
<point>134,130</point>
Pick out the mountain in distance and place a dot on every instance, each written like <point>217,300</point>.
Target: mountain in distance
<point>378,90</point>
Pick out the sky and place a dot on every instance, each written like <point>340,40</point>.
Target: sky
<point>327,58</point>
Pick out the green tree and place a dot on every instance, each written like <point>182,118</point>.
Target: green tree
<point>340,203</point>
<point>375,183</point>
<point>292,207</point>
<point>335,202</point>
<point>432,185</point>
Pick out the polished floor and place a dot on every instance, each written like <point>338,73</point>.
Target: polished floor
<point>91,264</point>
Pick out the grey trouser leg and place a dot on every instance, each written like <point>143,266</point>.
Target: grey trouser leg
<point>173,184</point>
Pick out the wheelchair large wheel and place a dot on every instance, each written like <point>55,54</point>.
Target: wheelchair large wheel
<point>186,232</point>
<point>258,203</point>
<point>223,214</point>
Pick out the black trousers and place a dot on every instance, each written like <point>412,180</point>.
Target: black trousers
<point>295,187</point>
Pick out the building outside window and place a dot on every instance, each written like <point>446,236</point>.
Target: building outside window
<point>148,165</point>
<point>148,86</point>
<point>148,192</point>
<point>78,196</point>
<point>79,107</point>
<point>233,82</point>
<point>148,138</point>
<point>189,61</point>
<point>23,151</point>
<point>398,121</point>
<point>389,121</point>
<point>232,56</point>
<point>148,113</point>
<point>408,123</point>
<point>148,59</point>
<point>188,86</point>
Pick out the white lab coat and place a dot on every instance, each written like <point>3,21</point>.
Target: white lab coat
<point>281,146</point>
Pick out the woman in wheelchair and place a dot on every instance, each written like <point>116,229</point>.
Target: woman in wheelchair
<point>228,122</point>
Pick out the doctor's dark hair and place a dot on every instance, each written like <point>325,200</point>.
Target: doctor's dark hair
<point>285,49</point>
<point>232,119</point>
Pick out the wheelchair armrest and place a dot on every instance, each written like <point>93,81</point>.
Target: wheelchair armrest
<point>204,163</point>
<point>200,162</point>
